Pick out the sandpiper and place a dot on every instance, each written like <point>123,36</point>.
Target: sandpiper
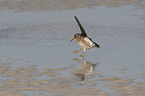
<point>83,40</point>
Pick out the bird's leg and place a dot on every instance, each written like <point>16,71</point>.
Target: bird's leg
<point>83,53</point>
<point>77,50</point>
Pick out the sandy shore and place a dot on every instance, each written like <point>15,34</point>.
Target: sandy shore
<point>46,5</point>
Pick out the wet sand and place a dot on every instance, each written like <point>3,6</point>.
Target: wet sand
<point>36,56</point>
<point>47,5</point>
<point>51,81</point>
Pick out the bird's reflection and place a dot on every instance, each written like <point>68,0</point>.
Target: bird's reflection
<point>86,70</point>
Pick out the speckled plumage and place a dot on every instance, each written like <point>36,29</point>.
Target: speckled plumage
<point>83,40</point>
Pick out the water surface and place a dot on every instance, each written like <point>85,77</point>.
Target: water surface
<point>36,55</point>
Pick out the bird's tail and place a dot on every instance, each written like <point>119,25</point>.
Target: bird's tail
<point>96,45</point>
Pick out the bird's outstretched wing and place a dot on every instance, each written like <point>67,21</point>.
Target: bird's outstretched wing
<point>83,33</point>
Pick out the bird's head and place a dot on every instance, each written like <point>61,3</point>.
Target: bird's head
<point>76,36</point>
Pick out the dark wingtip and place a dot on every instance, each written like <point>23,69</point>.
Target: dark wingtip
<point>98,46</point>
<point>76,18</point>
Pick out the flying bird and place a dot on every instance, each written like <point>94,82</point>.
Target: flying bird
<point>83,40</point>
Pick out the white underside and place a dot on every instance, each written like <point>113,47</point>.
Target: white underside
<point>88,44</point>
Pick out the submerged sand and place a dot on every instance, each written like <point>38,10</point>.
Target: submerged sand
<point>50,81</point>
<point>18,81</point>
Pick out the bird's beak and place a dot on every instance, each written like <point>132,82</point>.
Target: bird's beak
<point>72,39</point>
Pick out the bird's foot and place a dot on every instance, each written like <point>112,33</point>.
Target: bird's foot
<point>75,51</point>
<point>82,54</point>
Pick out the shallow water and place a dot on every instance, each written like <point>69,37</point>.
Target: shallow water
<point>37,60</point>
